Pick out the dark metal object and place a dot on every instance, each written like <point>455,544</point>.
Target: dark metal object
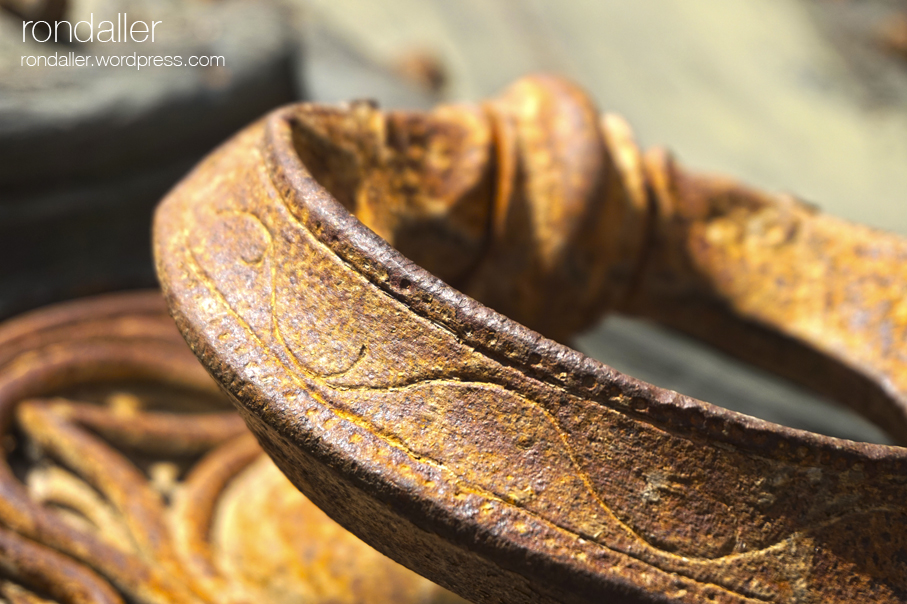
<point>86,152</point>
<point>504,465</point>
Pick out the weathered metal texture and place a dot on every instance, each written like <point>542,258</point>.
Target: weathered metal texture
<point>770,279</point>
<point>127,477</point>
<point>497,462</point>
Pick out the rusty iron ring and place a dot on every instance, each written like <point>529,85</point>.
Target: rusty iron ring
<point>504,465</point>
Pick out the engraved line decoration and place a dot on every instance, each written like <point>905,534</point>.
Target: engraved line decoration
<point>655,556</point>
<point>504,465</point>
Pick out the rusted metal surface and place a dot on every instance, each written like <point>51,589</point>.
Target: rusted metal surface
<point>127,477</point>
<point>497,462</point>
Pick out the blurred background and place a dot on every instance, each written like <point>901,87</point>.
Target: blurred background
<point>805,96</point>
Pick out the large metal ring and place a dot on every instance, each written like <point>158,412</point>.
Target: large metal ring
<point>504,465</point>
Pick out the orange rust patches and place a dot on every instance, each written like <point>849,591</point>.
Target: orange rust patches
<point>120,456</point>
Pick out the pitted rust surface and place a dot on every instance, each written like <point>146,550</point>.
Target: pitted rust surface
<point>127,477</point>
<point>497,462</point>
